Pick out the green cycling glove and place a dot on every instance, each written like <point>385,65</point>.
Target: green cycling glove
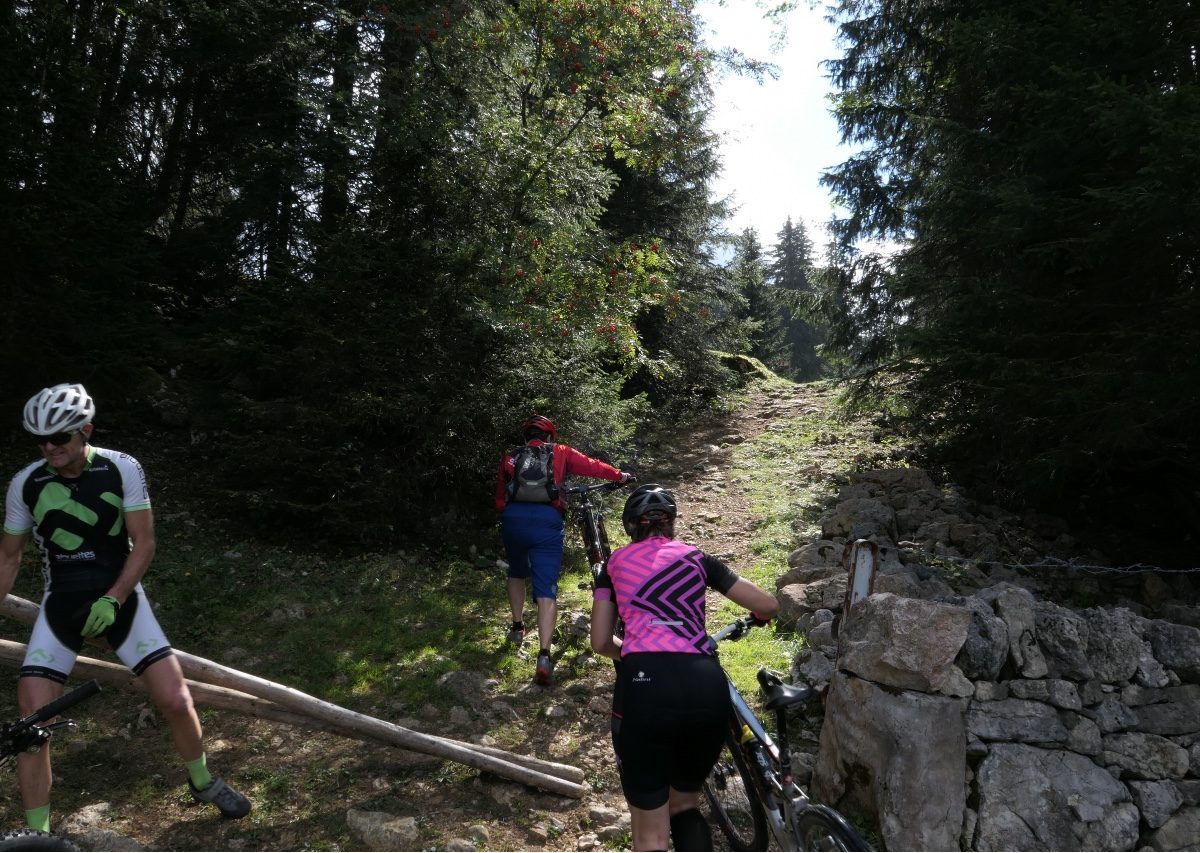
<point>104,613</point>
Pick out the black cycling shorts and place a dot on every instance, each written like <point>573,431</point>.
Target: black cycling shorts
<point>57,640</point>
<point>671,723</point>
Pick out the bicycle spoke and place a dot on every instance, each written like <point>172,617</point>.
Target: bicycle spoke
<point>732,803</point>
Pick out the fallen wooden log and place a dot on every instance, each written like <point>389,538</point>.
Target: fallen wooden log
<point>208,695</point>
<point>540,774</point>
<point>227,699</point>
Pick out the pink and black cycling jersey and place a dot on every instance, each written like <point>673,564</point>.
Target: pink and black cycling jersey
<point>658,585</point>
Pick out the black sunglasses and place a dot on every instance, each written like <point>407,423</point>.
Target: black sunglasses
<point>58,439</point>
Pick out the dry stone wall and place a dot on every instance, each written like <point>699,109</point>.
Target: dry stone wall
<point>973,703</point>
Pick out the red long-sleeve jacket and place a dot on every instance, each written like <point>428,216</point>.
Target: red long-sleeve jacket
<point>567,460</point>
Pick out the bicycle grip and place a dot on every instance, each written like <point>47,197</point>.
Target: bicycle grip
<point>62,703</point>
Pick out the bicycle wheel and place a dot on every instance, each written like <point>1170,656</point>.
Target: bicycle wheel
<point>732,800</point>
<point>823,828</point>
<point>31,839</point>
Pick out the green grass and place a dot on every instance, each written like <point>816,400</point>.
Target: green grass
<point>364,629</point>
<point>764,466</point>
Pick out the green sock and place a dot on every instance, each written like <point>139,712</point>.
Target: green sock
<point>38,818</point>
<point>198,771</point>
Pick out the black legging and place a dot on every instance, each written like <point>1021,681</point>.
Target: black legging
<point>670,714</point>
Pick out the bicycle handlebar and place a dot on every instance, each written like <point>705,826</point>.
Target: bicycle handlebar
<point>62,703</point>
<point>583,490</point>
<point>738,628</point>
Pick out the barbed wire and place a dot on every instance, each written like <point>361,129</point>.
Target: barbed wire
<point>1136,568</point>
<point>1057,563</point>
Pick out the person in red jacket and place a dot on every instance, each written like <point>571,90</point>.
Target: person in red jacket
<point>528,497</point>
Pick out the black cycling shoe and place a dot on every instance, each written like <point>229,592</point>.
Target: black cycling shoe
<point>231,803</point>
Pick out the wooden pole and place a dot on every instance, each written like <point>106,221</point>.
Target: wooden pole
<point>203,694</point>
<point>297,705</point>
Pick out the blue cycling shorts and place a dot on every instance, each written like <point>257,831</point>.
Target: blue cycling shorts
<point>533,543</point>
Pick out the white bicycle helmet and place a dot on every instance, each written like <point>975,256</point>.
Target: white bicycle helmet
<point>63,408</point>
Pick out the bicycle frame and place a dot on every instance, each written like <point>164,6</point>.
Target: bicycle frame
<point>782,798</point>
<point>784,802</point>
<point>27,734</point>
<point>591,521</point>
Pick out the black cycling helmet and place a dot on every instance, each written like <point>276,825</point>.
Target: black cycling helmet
<point>649,502</point>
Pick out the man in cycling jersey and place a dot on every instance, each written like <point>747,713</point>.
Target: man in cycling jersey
<point>671,701</point>
<point>531,524</point>
<point>88,512</point>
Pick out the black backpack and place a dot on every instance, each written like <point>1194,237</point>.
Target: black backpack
<point>533,474</point>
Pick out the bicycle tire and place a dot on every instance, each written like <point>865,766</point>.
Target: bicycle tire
<point>32,839</point>
<point>823,828</point>
<point>733,800</point>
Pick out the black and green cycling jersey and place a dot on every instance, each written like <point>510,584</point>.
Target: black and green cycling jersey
<point>78,523</point>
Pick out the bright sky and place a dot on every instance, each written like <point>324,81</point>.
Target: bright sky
<point>779,135</point>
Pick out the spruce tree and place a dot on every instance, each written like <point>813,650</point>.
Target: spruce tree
<point>761,312</point>
<point>788,271</point>
<point>1036,164</point>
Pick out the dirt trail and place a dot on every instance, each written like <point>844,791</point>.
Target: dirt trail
<point>715,507</point>
<point>716,514</point>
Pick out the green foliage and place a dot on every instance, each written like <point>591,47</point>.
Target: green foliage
<point>344,248</point>
<point>1033,161</point>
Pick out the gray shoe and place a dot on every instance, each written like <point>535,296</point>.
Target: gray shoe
<point>231,803</point>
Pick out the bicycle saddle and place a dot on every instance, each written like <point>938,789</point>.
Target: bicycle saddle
<point>779,695</point>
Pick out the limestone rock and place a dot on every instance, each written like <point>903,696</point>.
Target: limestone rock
<point>876,755</point>
<point>1145,756</point>
<point>383,831</point>
<point>1015,606</point>
<point>1180,832</point>
<point>1048,799</point>
<point>1052,691</point>
<point>1063,638</point>
<point>1169,718</point>
<point>903,642</point>
<point>859,518</point>
<point>1114,644</point>
<point>1157,800</point>
<point>1016,720</point>
<point>1176,647</point>
<point>986,647</point>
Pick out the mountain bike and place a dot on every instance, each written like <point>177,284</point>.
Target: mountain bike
<point>750,790</point>
<point>590,516</point>
<point>28,735</point>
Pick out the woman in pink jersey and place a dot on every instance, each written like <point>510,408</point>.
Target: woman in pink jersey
<point>671,700</point>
